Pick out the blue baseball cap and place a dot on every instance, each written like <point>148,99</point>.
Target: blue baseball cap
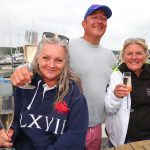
<point>95,7</point>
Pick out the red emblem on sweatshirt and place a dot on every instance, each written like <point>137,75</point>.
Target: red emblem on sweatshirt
<point>61,107</point>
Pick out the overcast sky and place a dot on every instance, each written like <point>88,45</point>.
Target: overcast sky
<point>130,18</point>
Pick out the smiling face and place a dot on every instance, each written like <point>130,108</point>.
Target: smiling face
<point>134,56</point>
<point>95,26</point>
<point>51,61</point>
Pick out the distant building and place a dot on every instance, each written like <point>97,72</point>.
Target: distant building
<point>10,50</point>
<point>12,56</point>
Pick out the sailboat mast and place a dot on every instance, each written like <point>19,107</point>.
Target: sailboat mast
<point>10,42</point>
<point>10,38</point>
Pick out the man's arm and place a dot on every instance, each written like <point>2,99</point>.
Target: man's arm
<point>21,76</point>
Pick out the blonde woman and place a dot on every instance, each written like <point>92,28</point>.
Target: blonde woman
<point>54,115</point>
<point>129,111</point>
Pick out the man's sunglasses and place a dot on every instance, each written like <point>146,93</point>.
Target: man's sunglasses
<point>52,35</point>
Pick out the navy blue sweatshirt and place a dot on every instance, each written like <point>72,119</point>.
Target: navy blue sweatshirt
<point>39,126</point>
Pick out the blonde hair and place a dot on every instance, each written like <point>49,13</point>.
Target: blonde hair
<point>139,41</point>
<point>67,75</point>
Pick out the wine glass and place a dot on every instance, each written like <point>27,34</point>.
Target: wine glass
<point>28,85</point>
<point>127,82</point>
<point>6,107</point>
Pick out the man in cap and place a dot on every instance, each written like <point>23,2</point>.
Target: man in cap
<point>93,64</point>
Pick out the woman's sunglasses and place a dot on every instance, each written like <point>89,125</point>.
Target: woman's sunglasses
<point>52,35</point>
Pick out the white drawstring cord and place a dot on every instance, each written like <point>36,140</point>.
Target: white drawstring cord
<point>29,106</point>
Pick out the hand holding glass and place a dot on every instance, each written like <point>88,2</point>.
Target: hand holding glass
<point>6,105</point>
<point>28,85</point>
<point>6,113</point>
